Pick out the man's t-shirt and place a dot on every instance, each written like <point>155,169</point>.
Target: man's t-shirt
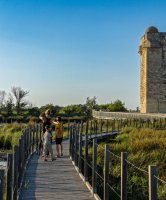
<point>58,130</point>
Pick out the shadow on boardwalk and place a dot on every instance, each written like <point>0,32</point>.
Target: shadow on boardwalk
<point>53,180</point>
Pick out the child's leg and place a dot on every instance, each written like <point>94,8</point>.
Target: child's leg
<point>61,149</point>
<point>51,151</point>
<point>57,149</point>
<point>45,151</point>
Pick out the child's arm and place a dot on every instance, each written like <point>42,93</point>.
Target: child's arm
<point>54,122</point>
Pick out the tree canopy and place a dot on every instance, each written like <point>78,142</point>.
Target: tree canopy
<point>14,105</point>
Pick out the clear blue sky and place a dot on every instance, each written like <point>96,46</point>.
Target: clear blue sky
<point>63,51</point>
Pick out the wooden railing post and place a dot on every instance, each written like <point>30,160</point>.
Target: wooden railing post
<point>86,153</point>
<point>107,126</point>
<point>96,127</point>
<point>68,128</point>
<point>101,126</point>
<point>15,171</point>
<point>91,128</point>
<point>30,140</point>
<point>160,123</point>
<point>82,126</point>
<point>37,138</point>
<point>121,124</point>
<point>165,123</point>
<point>80,151</point>
<point>94,168</point>
<point>25,145</point>
<point>23,152</point>
<point>118,125</point>
<point>1,183</point>
<point>123,176</point>
<point>127,122</point>
<point>148,122</point>
<point>20,152</point>
<point>112,124</point>
<point>70,142</point>
<point>130,121</point>
<point>9,176</point>
<point>106,172</point>
<point>33,139</point>
<point>136,124</point>
<point>76,146</point>
<point>152,182</point>
<point>73,141</point>
<point>154,123</point>
<point>40,134</point>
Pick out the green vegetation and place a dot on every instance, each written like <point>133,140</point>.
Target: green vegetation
<point>145,147</point>
<point>15,107</point>
<point>116,106</point>
<point>10,134</point>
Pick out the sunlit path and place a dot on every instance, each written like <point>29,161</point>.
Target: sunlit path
<point>53,180</point>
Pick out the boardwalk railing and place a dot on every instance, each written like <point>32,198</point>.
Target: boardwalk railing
<point>127,115</point>
<point>121,120</point>
<point>96,165</point>
<point>11,184</point>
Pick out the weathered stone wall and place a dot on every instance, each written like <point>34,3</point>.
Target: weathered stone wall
<point>153,72</point>
<point>143,81</point>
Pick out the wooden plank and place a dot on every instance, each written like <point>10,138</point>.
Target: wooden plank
<point>53,180</point>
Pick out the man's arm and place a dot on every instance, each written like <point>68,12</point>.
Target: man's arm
<point>42,118</point>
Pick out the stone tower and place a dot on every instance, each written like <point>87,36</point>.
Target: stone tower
<point>152,51</point>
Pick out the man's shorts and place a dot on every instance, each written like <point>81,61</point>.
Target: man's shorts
<point>59,140</point>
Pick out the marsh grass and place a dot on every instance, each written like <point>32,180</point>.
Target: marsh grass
<point>10,134</point>
<point>144,147</point>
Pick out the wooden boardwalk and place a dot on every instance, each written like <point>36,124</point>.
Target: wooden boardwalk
<point>53,180</point>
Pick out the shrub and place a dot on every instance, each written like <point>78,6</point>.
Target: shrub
<point>10,134</point>
<point>8,141</point>
<point>2,137</point>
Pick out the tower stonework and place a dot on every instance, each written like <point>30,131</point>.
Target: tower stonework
<point>152,51</point>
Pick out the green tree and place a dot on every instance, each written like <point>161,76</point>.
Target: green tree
<point>9,105</point>
<point>19,95</point>
<point>117,106</point>
<point>34,111</point>
<point>73,110</point>
<point>2,100</point>
<point>90,105</point>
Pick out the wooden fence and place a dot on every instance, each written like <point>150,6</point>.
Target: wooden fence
<point>90,172</point>
<point>118,123</point>
<point>11,179</point>
<point>127,115</point>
